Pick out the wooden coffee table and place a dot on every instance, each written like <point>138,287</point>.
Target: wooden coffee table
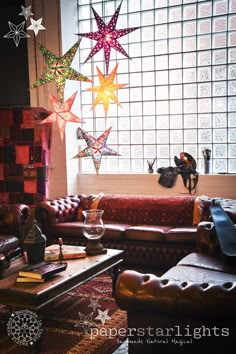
<point>34,296</point>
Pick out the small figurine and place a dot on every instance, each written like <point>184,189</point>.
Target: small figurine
<point>60,242</point>
<point>150,165</point>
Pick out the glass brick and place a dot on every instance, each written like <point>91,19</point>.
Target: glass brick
<point>204,42</point>
<point>232,72</point>
<point>147,49</point>
<point>219,135</point>
<point>220,7</point>
<point>136,109</point>
<point>161,16</point>
<point>149,122</point>
<point>190,106</point>
<point>175,76</point>
<point>189,59</point>
<point>204,26</point>
<point>189,75</point>
<point>219,40</point>
<point>175,107</point>
<point>232,135</point>
<point>161,3</point>
<point>232,150</point>
<point>191,149</point>
<point>175,61</point>
<point>231,104</point>
<point>189,28</point>
<point>176,136</point>
<point>162,92</point>
<point>162,107</point>
<point>232,39</point>
<point>161,31</point>
<point>175,14</point>
<point>176,92</point>
<point>146,33</point>
<point>163,151</point>
<point>149,137</point>
<point>219,72</point>
<point>147,18</point>
<point>135,94</point>
<point>190,136</point>
<point>204,58</point>
<point>136,123</point>
<point>190,121</point>
<point>189,12</point>
<point>149,108</point>
<point>204,90</point>
<point>162,77</point>
<point>161,47</point>
<point>219,104</point>
<point>205,10</point>
<point>176,122</point>
<point>149,93</point>
<point>135,79</point>
<point>204,74</point>
<point>189,44</point>
<point>136,137</point>
<point>232,22</point>
<point>232,166</point>
<point>149,151</point>
<point>134,19</point>
<point>232,6</point>
<point>219,120</point>
<point>219,165</point>
<point>220,24</point>
<point>205,136</point>
<point>163,137</point>
<point>175,30</point>
<point>137,165</point>
<point>232,88</point>
<point>124,165</point>
<point>175,150</point>
<point>190,91</point>
<point>232,119</point>
<point>219,56</point>
<point>204,105</point>
<point>175,45</point>
<point>162,122</point>
<point>124,150</point>
<point>161,62</point>
<point>175,2</point>
<point>220,151</point>
<point>219,88</point>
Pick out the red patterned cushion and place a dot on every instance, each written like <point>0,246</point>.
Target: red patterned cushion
<point>150,210</point>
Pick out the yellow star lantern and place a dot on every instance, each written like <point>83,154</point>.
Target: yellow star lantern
<point>105,92</point>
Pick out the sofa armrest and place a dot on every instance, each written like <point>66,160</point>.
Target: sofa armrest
<point>207,240</point>
<point>149,293</point>
<point>50,212</point>
<point>12,219</point>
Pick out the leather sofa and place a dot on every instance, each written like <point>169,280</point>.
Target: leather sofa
<point>191,308</point>
<point>13,217</point>
<point>154,231</point>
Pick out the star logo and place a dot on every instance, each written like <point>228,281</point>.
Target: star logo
<point>105,91</point>
<point>85,322</point>
<point>103,316</point>
<point>16,32</point>
<point>62,113</point>
<point>107,36</point>
<point>60,69</point>
<point>94,304</point>
<point>36,26</point>
<point>26,12</point>
<point>96,148</point>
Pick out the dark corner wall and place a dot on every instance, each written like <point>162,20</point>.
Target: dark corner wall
<point>14,78</point>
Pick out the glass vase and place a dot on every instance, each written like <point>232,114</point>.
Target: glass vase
<point>93,230</point>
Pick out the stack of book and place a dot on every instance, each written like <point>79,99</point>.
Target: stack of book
<point>40,272</point>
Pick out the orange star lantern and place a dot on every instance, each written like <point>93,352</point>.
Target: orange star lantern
<point>105,92</point>
<point>62,113</point>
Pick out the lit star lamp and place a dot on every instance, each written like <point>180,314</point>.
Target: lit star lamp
<point>96,148</point>
<point>107,36</point>
<point>62,114</point>
<point>105,91</point>
<point>60,69</point>
<point>16,32</point>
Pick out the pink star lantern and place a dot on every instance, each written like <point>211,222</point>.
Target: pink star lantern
<point>96,148</point>
<point>105,91</point>
<point>107,36</point>
<point>62,114</point>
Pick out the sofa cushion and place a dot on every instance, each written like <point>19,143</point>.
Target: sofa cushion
<point>115,231</point>
<point>146,233</point>
<point>181,234</point>
<point>65,229</point>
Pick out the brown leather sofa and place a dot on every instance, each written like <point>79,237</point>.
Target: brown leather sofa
<point>155,232</point>
<point>189,309</point>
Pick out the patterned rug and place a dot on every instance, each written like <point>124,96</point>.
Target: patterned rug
<point>84,321</point>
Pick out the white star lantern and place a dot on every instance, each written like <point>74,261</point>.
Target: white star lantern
<point>26,12</point>
<point>36,26</point>
<point>16,32</point>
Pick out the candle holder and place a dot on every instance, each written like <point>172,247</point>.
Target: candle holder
<point>93,230</point>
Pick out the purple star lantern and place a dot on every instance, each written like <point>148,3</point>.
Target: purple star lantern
<point>107,36</point>
<point>96,148</point>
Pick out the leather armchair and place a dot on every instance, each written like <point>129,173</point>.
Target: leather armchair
<point>189,309</point>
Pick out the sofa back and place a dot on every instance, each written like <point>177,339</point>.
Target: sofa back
<point>149,210</point>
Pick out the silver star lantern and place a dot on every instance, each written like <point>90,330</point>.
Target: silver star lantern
<point>16,32</point>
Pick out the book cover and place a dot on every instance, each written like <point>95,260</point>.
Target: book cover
<point>69,252</point>
<point>42,270</point>
<point>29,280</point>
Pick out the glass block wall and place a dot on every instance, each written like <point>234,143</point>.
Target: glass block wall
<point>181,83</point>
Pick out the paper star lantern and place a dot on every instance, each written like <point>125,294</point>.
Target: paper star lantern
<point>26,12</point>
<point>62,114</point>
<point>107,36</point>
<point>16,32</point>
<point>105,91</point>
<point>96,148</point>
<point>59,69</point>
<point>36,26</point>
